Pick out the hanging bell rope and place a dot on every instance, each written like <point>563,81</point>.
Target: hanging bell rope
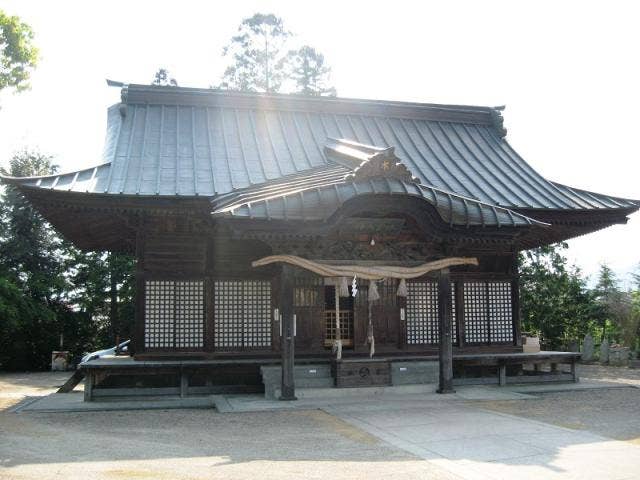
<point>372,296</point>
<point>373,291</point>
<point>371,340</point>
<point>344,287</point>
<point>402,288</point>
<point>337,345</point>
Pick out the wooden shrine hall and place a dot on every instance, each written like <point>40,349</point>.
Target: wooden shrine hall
<point>286,241</point>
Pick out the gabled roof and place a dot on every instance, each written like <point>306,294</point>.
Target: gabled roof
<point>169,141</point>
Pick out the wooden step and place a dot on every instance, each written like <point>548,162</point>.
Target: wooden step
<point>74,380</point>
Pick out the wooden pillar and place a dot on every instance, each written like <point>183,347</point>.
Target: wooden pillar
<point>139,313</point>
<point>287,387</point>
<point>515,302</point>
<point>459,300</point>
<point>444,326</point>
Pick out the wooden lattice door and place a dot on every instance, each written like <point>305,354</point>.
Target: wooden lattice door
<point>385,315</point>
<point>308,304</point>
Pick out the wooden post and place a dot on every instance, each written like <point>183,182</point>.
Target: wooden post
<point>139,314</point>
<point>574,371</point>
<point>515,302</point>
<point>287,387</point>
<point>459,300</point>
<point>184,383</point>
<point>88,386</point>
<point>444,327</point>
<point>502,374</point>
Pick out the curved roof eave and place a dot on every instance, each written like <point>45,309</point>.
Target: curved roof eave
<point>325,195</point>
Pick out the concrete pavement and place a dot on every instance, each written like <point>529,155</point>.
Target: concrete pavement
<point>475,444</point>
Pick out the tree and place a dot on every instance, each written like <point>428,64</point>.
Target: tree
<point>554,299</point>
<point>635,276</point>
<point>309,72</point>
<point>18,56</point>
<point>607,295</point>
<point>49,289</point>
<point>29,248</point>
<point>103,287</point>
<point>33,312</point>
<point>258,55</point>
<point>164,78</point>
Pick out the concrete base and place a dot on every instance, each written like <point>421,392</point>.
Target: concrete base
<point>414,373</point>
<point>74,402</point>
<point>305,377</point>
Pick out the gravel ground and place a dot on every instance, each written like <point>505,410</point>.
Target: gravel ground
<point>628,376</point>
<point>14,387</point>
<point>613,413</point>
<point>189,444</point>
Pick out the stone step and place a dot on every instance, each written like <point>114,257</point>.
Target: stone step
<point>359,391</point>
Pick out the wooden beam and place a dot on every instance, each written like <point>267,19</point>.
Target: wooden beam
<point>287,389</point>
<point>444,324</point>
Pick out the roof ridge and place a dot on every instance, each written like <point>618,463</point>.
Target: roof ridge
<point>162,89</point>
<point>133,94</point>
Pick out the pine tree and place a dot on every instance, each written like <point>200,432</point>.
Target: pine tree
<point>164,78</point>
<point>258,55</point>
<point>309,72</point>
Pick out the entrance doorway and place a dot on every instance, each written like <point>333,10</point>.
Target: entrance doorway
<point>346,317</point>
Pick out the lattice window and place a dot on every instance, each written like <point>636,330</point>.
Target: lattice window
<point>189,314</point>
<point>346,327</point>
<point>174,314</point>
<point>476,325</point>
<point>488,312</point>
<point>242,313</point>
<point>500,312</point>
<point>422,313</point>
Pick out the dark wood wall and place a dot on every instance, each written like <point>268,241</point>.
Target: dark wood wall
<point>180,250</point>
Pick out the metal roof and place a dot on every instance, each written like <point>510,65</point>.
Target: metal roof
<point>317,194</point>
<point>171,141</point>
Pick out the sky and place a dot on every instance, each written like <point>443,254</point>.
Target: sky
<point>568,73</point>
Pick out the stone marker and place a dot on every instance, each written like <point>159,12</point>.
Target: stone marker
<point>604,351</point>
<point>59,361</point>
<point>574,346</point>
<point>587,348</point>
<point>619,356</point>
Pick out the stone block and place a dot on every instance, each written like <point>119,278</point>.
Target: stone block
<point>604,351</point>
<point>619,356</point>
<point>412,373</point>
<point>530,344</point>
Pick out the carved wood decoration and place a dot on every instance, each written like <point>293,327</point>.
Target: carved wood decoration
<point>384,164</point>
